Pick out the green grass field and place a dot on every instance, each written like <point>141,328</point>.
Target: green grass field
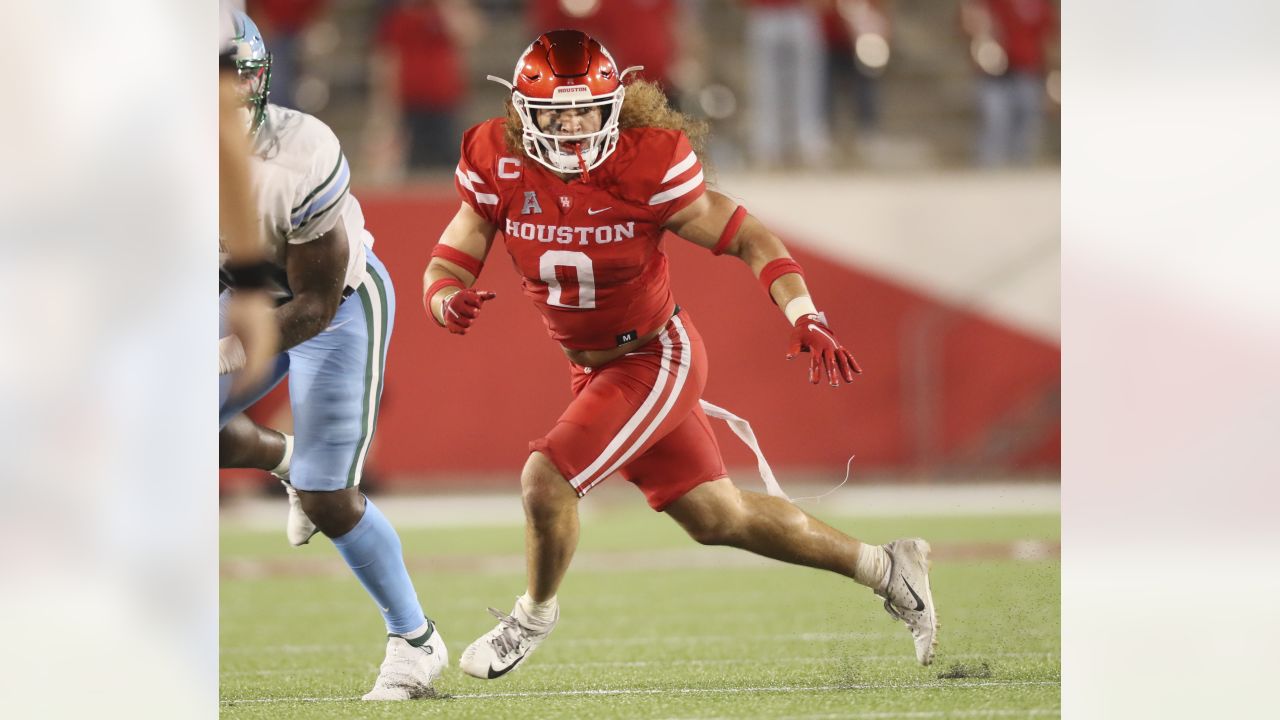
<point>653,626</point>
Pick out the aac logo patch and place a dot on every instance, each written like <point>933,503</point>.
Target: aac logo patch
<point>531,203</point>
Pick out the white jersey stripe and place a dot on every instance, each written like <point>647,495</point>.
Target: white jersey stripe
<point>462,178</point>
<point>634,421</point>
<point>681,166</point>
<point>465,181</point>
<point>475,178</point>
<point>678,191</point>
<point>681,374</point>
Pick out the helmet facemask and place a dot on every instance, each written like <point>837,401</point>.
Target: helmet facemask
<point>253,65</point>
<point>255,87</point>
<point>576,152</point>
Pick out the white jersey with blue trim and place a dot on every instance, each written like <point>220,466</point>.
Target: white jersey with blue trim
<point>302,185</point>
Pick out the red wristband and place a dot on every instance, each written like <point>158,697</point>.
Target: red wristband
<point>436,287</point>
<point>459,258</point>
<point>730,229</point>
<point>776,269</point>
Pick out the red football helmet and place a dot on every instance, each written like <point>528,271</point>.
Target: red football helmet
<point>567,69</point>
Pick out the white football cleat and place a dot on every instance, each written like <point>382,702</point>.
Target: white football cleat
<point>299,528</point>
<point>410,667</point>
<point>500,650</point>
<point>907,596</point>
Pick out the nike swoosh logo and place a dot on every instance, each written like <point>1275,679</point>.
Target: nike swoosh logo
<point>593,211</point>
<point>919,602</point>
<point>499,673</point>
<point>817,329</point>
<point>337,325</point>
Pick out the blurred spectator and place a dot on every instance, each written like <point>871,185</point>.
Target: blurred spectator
<point>1008,40</point>
<point>283,23</point>
<point>785,60</point>
<point>637,32</point>
<point>420,76</point>
<point>853,71</point>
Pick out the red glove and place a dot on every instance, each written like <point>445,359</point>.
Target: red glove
<point>811,334</point>
<point>462,308</point>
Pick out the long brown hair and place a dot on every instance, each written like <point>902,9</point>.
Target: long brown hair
<point>645,105</point>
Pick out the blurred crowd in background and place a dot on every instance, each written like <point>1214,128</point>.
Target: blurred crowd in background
<point>785,84</point>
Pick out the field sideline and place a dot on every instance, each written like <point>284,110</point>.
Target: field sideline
<point>654,626</point>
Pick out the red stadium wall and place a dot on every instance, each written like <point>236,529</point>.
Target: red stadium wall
<point>457,405</point>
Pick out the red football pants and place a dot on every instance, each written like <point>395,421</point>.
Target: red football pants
<point>640,415</point>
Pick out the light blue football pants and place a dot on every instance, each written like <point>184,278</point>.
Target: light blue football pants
<point>335,385</point>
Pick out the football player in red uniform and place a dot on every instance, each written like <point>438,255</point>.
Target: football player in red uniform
<point>581,179</point>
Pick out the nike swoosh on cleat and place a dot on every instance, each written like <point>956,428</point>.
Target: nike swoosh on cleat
<point>919,602</point>
<point>499,673</point>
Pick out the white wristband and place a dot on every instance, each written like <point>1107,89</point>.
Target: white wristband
<point>798,308</point>
<point>230,355</point>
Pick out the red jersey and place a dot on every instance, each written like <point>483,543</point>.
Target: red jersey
<point>589,252</point>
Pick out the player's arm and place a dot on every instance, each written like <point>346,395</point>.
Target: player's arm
<point>252,341</point>
<point>721,225</point>
<point>706,222</point>
<point>455,264</point>
<point>316,272</point>
<point>235,207</point>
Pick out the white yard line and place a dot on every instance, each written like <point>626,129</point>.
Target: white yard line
<point>683,691</point>
<point>676,640</point>
<point>887,715</point>
<point>436,510</point>
<point>824,659</point>
<point>691,558</point>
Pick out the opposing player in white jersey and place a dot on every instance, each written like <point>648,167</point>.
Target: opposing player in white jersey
<point>335,321</point>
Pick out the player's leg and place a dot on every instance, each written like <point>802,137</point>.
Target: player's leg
<point>715,512</point>
<point>335,386</point>
<point>1027,111</point>
<point>618,412</point>
<point>709,507</point>
<point>245,444</point>
<point>242,443</point>
<point>813,135</point>
<point>994,109</point>
<point>551,526</point>
<point>684,476</point>
<point>718,513</point>
<point>551,536</point>
<point>768,88</point>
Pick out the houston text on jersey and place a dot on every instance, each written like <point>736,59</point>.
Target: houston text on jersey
<point>566,235</point>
